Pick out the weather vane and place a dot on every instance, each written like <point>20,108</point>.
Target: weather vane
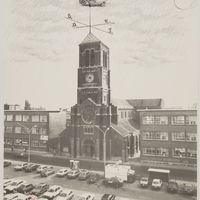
<point>78,24</point>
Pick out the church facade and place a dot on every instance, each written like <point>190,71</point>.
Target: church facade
<point>94,119</point>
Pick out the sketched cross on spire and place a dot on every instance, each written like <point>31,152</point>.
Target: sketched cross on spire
<point>90,25</point>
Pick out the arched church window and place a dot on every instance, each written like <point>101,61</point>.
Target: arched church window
<point>87,58</point>
<point>92,62</point>
<point>104,59</point>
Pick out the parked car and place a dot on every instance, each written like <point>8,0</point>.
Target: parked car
<point>14,185</point>
<point>113,182</point>
<point>144,182</point>
<point>156,184</point>
<point>73,174</point>
<point>131,176</point>
<point>31,167</point>
<point>87,196</point>
<point>10,196</point>
<point>20,196</point>
<point>63,172</point>
<point>20,166</point>
<point>108,197</point>
<point>6,163</point>
<point>65,195</point>
<point>93,2</point>
<point>7,182</point>
<point>172,186</point>
<point>188,189</point>
<point>47,172</point>
<point>25,188</point>
<point>40,189</point>
<point>94,177</point>
<point>41,168</point>
<point>84,174</point>
<point>52,192</point>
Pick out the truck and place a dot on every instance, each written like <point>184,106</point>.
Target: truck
<point>122,172</point>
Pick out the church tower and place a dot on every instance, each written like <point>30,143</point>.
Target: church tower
<point>91,116</point>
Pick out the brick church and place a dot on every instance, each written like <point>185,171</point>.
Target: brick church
<point>95,115</point>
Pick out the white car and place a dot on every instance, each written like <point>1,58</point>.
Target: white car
<point>63,172</point>
<point>52,192</point>
<point>156,183</point>
<point>10,196</point>
<point>65,195</point>
<point>14,185</point>
<point>41,168</point>
<point>7,182</point>
<point>87,196</point>
<point>20,166</point>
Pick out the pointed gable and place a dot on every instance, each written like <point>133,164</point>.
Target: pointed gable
<point>90,38</point>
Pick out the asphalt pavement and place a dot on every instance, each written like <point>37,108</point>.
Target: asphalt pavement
<point>127,192</point>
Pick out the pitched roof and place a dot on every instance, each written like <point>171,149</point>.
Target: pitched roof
<point>121,103</point>
<point>124,128</point>
<point>90,38</point>
<point>146,103</point>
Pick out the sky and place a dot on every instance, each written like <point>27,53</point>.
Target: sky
<point>153,51</point>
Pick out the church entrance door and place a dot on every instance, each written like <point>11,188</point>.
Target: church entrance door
<point>89,149</point>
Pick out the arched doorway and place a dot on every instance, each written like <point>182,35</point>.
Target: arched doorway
<point>88,148</point>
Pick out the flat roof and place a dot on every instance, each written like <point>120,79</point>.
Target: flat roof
<point>166,109</point>
<point>159,170</point>
<point>31,110</point>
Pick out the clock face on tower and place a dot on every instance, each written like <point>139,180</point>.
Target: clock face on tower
<point>89,77</point>
<point>88,115</point>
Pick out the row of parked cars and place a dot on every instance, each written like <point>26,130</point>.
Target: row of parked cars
<point>172,186</point>
<point>16,189</point>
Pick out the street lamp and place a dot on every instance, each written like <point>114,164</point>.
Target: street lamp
<point>29,139</point>
<point>104,146</point>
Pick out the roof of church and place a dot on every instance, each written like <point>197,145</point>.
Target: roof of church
<point>146,103</point>
<point>121,103</point>
<point>90,38</point>
<point>124,128</point>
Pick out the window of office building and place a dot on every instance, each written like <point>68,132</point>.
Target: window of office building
<point>35,118</point>
<point>24,142</point>
<point>43,118</point>
<point>34,130</point>
<point>191,137</point>
<point>18,118</point>
<point>178,136</point>
<point>122,115</point>
<point>105,59</point>
<point>9,117</point>
<point>191,120</point>
<point>177,120</point>
<point>192,153</point>
<point>34,143</point>
<point>25,130</point>
<point>151,151</point>
<point>42,143</point>
<point>25,118</point>
<point>155,120</point>
<point>155,136</point>
<point>179,152</point>
<point>18,129</point>
<point>8,129</point>
<point>42,131</point>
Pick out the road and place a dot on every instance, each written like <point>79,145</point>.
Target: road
<point>127,192</point>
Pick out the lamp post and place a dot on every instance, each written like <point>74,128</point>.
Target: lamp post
<point>29,139</point>
<point>104,145</point>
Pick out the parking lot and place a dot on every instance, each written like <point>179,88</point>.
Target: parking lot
<point>128,191</point>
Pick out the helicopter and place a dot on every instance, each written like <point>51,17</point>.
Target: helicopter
<point>93,3</point>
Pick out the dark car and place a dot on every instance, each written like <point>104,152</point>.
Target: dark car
<point>93,178</point>
<point>31,167</point>
<point>73,174</point>
<point>113,182</point>
<point>40,189</point>
<point>84,174</point>
<point>108,197</point>
<point>6,163</point>
<point>172,187</point>
<point>25,188</point>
